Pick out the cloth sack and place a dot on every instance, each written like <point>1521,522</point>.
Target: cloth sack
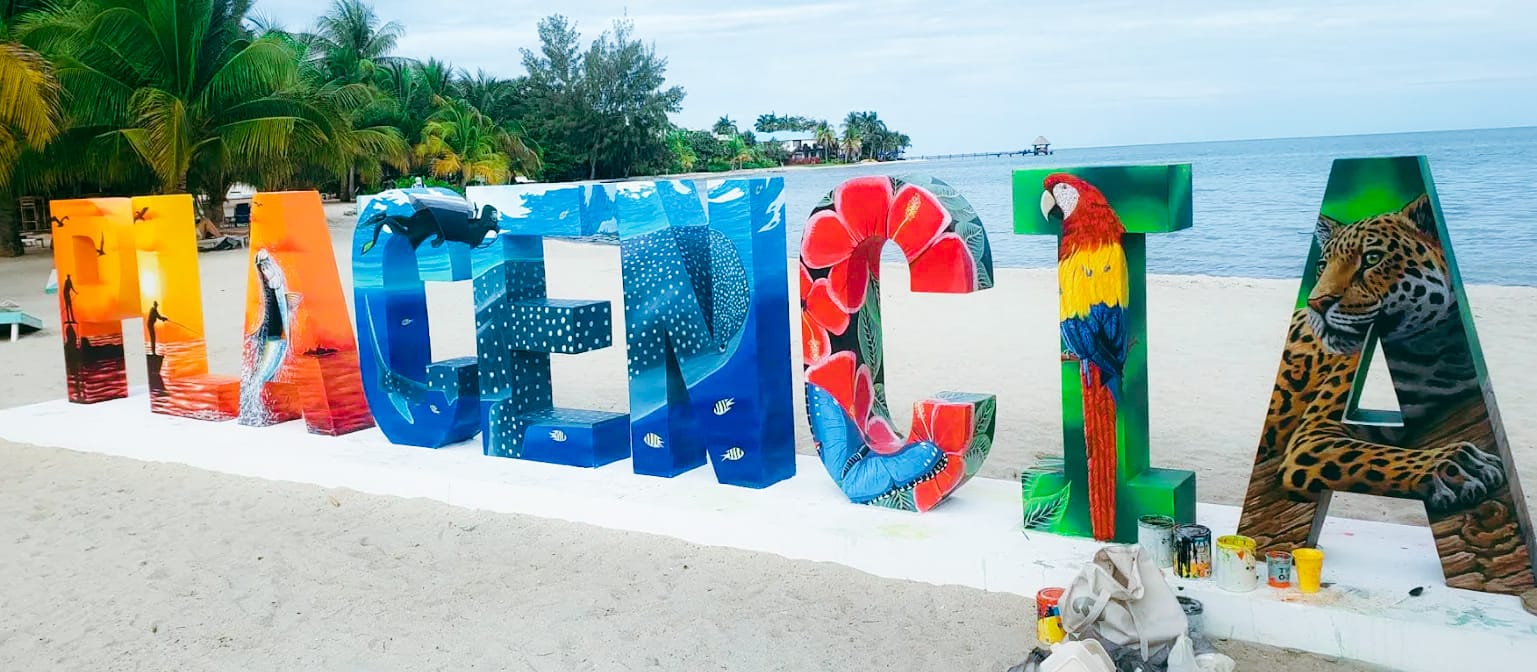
<point>1121,599</point>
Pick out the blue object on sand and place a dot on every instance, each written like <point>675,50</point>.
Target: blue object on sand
<point>21,323</point>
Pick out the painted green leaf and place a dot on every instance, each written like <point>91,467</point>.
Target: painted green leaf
<point>984,420</point>
<point>900,499</point>
<point>870,330</point>
<point>1045,512</point>
<point>880,400</point>
<point>976,453</point>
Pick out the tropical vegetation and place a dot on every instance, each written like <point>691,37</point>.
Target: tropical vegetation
<point>123,97</point>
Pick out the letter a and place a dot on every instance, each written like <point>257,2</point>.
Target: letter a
<point>300,357</point>
<point>1381,273</point>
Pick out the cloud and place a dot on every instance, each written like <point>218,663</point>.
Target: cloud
<point>978,74</point>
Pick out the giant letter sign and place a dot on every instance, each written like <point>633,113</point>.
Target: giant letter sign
<point>415,400</point>
<point>93,251</point>
<point>1381,273</point>
<point>1102,217</point>
<point>300,357</point>
<point>947,252</point>
<point>705,298</point>
<point>171,303</point>
<point>517,328</point>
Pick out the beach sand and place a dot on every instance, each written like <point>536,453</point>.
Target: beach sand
<point>513,592</point>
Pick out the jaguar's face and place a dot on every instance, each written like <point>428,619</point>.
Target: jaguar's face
<point>1386,272</point>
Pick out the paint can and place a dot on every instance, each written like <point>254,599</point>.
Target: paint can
<point>1192,551</point>
<point>1155,534</point>
<point>1237,563</point>
<point>1278,565</point>
<point>1048,616</point>
<point>1193,609</point>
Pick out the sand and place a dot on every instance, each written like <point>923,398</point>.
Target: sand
<point>424,594</point>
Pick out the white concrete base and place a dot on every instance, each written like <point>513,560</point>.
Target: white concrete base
<point>972,540</point>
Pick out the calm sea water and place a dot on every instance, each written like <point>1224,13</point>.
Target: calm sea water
<point>1256,200</point>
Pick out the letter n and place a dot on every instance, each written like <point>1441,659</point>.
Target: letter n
<point>1381,273</point>
<point>705,299</point>
<point>300,357</point>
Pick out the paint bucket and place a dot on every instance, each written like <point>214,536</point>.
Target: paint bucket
<point>1310,569</point>
<point>1155,534</point>
<point>1192,551</point>
<point>1048,616</point>
<point>1278,565</point>
<point>1193,609</point>
<point>1237,563</point>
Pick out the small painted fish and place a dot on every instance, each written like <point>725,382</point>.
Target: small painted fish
<point>723,406</point>
<point>734,454</point>
<point>557,436</point>
<point>652,440</point>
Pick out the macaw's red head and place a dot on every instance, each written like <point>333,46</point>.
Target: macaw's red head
<point>1081,206</point>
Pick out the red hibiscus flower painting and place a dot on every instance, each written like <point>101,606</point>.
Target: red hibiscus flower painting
<point>946,251</point>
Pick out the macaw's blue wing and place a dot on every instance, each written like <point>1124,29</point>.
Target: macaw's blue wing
<point>861,474</point>
<point>1099,339</point>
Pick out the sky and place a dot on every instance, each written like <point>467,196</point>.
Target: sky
<point>973,75</point>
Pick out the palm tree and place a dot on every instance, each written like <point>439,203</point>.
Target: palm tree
<point>459,141</point>
<point>350,41</point>
<point>29,119</point>
<point>346,51</point>
<point>738,151</point>
<point>185,90</point>
<point>826,139</point>
<point>724,126</point>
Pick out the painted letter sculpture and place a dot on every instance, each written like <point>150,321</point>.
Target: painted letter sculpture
<point>1381,272</point>
<point>947,252</point>
<point>171,303</point>
<point>1102,216</point>
<point>415,400</point>
<point>300,358</point>
<point>705,299</point>
<point>517,327</point>
<point>93,252</point>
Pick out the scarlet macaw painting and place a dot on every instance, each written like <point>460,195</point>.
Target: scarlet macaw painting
<point>947,252</point>
<point>1101,217</point>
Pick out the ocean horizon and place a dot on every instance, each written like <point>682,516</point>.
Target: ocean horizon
<point>1255,201</point>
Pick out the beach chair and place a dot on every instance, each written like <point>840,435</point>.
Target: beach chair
<point>242,215</point>
<point>20,322</point>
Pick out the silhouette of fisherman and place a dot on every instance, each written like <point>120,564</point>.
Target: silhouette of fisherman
<point>150,322</point>
<point>69,303</point>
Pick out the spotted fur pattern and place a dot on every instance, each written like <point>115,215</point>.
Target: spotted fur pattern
<point>1384,275</point>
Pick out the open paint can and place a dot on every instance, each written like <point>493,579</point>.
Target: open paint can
<point>1048,616</point>
<point>1192,551</point>
<point>1278,566</point>
<point>1155,534</point>
<point>1237,563</point>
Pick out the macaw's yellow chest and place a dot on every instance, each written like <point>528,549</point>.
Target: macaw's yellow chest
<point>1089,276</point>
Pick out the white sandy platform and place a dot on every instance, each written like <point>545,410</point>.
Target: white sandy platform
<point>972,540</point>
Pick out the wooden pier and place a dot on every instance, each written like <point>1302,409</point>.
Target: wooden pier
<point>1041,147</point>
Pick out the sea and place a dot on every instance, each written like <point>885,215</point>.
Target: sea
<point>1256,201</point>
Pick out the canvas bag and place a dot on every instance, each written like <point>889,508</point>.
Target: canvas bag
<point>1121,598</point>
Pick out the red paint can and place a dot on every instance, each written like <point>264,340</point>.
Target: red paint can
<point>1048,616</point>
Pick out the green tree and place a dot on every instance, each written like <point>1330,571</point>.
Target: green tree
<point>725,127</point>
<point>183,88</point>
<point>29,118</point>
<point>826,139</point>
<point>351,42</point>
<point>600,113</point>
<point>344,55</point>
<point>460,142</point>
